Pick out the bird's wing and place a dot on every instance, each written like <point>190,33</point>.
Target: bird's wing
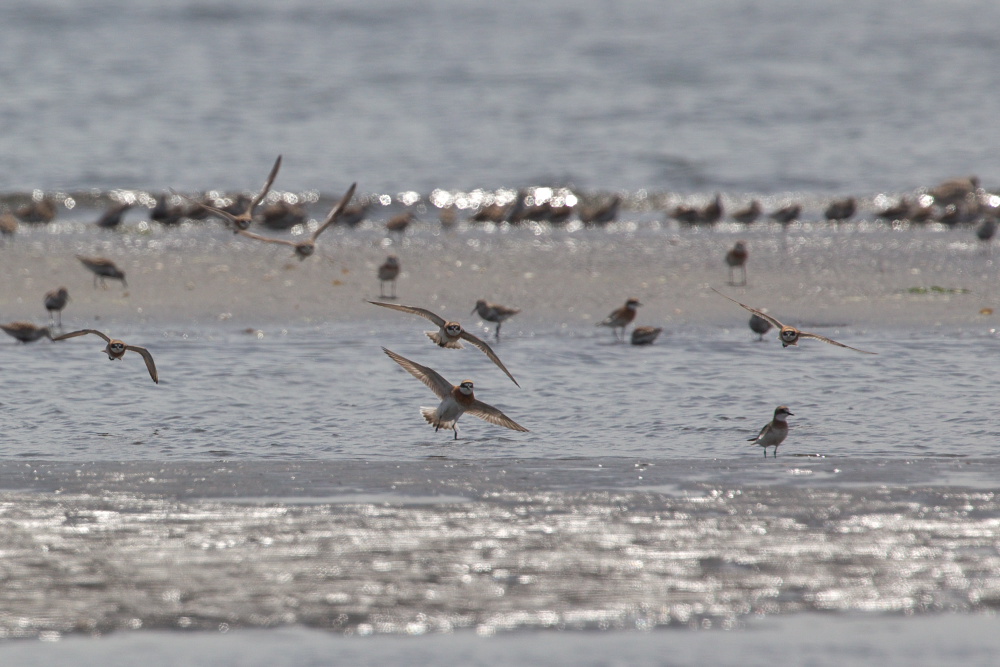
<point>148,358</point>
<point>806,334</point>
<point>428,376</point>
<point>615,314</point>
<point>265,239</point>
<point>225,215</point>
<point>336,211</point>
<point>761,434</point>
<point>758,313</point>
<point>413,310</point>
<point>488,413</point>
<point>81,332</point>
<point>482,345</point>
<point>267,186</point>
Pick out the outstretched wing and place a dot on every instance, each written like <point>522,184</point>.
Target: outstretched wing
<point>81,332</point>
<point>806,334</point>
<point>488,413</point>
<point>482,345</point>
<point>265,239</point>
<point>336,211</point>
<point>148,358</point>
<point>759,313</point>
<point>413,310</point>
<point>267,186</point>
<point>218,212</point>
<point>428,376</point>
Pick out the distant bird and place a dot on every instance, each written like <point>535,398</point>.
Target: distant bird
<point>282,215</point>
<point>450,334</point>
<point>387,273</point>
<point>789,335</point>
<point>8,225</point>
<point>689,215</point>
<point>954,191</point>
<point>103,269</point>
<point>898,211</point>
<point>38,210</point>
<point>113,217</point>
<point>841,209</point>
<point>986,230</point>
<point>166,213</point>
<point>559,214</point>
<point>355,215</point>
<point>456,400</point>
<point>307,247</point>
<point>238,221</point>
<point>494,312</point>
<point>645,335</point>
<point>116,349</point>
<point>787,214</point>
<point>775,431</point>
<point>397,224</point>
<point>55,301</point>
<point>448,217</point>
<point>712,212</point>
<point>602,214</point>
<point>736,258</point>
<point>490,213</point>
<point>621,318</point>
<point>759,326</point>
<point>749,214</point>
<point>26,332</point>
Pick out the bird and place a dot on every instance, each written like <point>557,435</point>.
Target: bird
<point>749,214</point>
<point>602,214</point>
<point>736,258</point>
<point>26,332</point>
<point>775,431</point>
<point>841,209</point>
<point>116,349</point>
<point>398,223</point>
<point>8,225</point>
<point>307,247</point>
<point>55,301</point>
<point>621,317</point>
<point>787,214</point>
<point>103,269</point>
<point>282,215</point>
<point>387,273</point>
<point>494,312</point>
<point>38,210</point>
<point>712,212</point>
<point>449,334</point>
<point>986,230</point>
<point>645,335</point>
<point>112,217</point>
<point>954,190</point>
<point>241,221</point>
<point>456,400</point>
<point>759,326</point>
<point>167,213</point>
<point>789,335</point>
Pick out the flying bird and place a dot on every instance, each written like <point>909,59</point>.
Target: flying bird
<point>241,220</point>
<point>116,349</point>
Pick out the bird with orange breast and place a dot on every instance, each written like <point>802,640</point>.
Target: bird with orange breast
<point>621,318</point>
<point>736,258</point>
<point>116,349</point>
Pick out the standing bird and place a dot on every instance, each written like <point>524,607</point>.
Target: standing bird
<point>775,431</point>
<point>387,273</point>
<point>55,301</point>
<point>749,214</point>
<point>787,214</point>
<point>26,332</point>
<point>494,312</point>
<point>621,318</point>
<point>645,335</point>
<point>986,230</point>
<point>449,334</point>
<point>38,210</point>
<point>736,258</point>
<point>397,224</point>
<point>116,349</point>
<point>841,209</point>
<point>8,225</point>
<point>307,247</point>
<point>167,213</point>
<point>759,326</point>
<point>603,214</point>
<point>113,217</point>
<point>789,335</point>
<point>712,212</point>
<point>242,220</point>
<point>103,269</point>
<point>456,400</point>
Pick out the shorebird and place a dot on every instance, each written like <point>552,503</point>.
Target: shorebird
<point>621,317</point>
<point>841,209</point>
<point>8,225</point>
<point>759,326</point>
<point>26,332</point>
<point>954,191</point>
<point>103,269</point>
<point>387,273</point>
<point>645,335</point>
<point>113,217</point>
<point>307,247</point>
<point>55,301</point>
<point>40,210</point>
<point>787,214</point>
<point>712,212</point>
<point>749,214</point>
<point>789,335</point>
<point>775,431</point>
<point>456,400</point>
<point>737,258</point>
<point>166,213</point>
<point>282,215</point>
<point>603,214</point>
<point>449,334</point>
<point>241,221</point>
<point>116,349</point>
<point>397,224</point>
<point>986,230</point>
<point>494,312</point>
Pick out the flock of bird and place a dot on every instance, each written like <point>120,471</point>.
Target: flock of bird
<point>955,200</point>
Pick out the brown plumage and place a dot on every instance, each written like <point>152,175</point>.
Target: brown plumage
<point>55,301</point>
<point>242,220</point>
<point>103,269</point>
<point>116,349</point>
<point>387,273</point>
<point>26,332</point>
<point>621,318</point>
<point>736,258</point>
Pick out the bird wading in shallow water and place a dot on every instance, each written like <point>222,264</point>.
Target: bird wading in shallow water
<point>103,269</point>
<point>494,312</point>
<point>621,318</point>
<point>387,273</point>
<point>775,431</point>
<point>55,301</point>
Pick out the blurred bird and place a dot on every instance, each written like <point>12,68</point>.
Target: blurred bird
<point>645,335</point>
<point>103,268</point>
<point>307,247</point>
<point>736,258</point>
<point>238,221</point>
<point>113,217</point>
<point>749,214</point>
<point>55,301</point>
<point>388,273</point>
<point>26,332</point>
<point>621,318</point>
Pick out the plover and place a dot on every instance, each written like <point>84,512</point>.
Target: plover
<point>775,431</point>
<point>736,258</point>
<point>397,224</point>
<point>387,273</point>
<point>242,220</point>
<point>954,191</point>
<point>456,400</point>
<point>749,214</point>
<point>26,332</point>
<point>307,247</point>
<point>759,326</point>
<point>38,210</point>
<point>55,301</point>
<point>494,312</point>
<point>620,318</point>
<point>8,225</point>
<point>116,349</point>
<point>449,334</point>
<point>841,209</point>
<point>645,335</point>
<point>167,213</point>
<point>787,214</point>
<point>103,268</point>
<point>113,217</point>
<point>603,214</point>
<point>789,335</point>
